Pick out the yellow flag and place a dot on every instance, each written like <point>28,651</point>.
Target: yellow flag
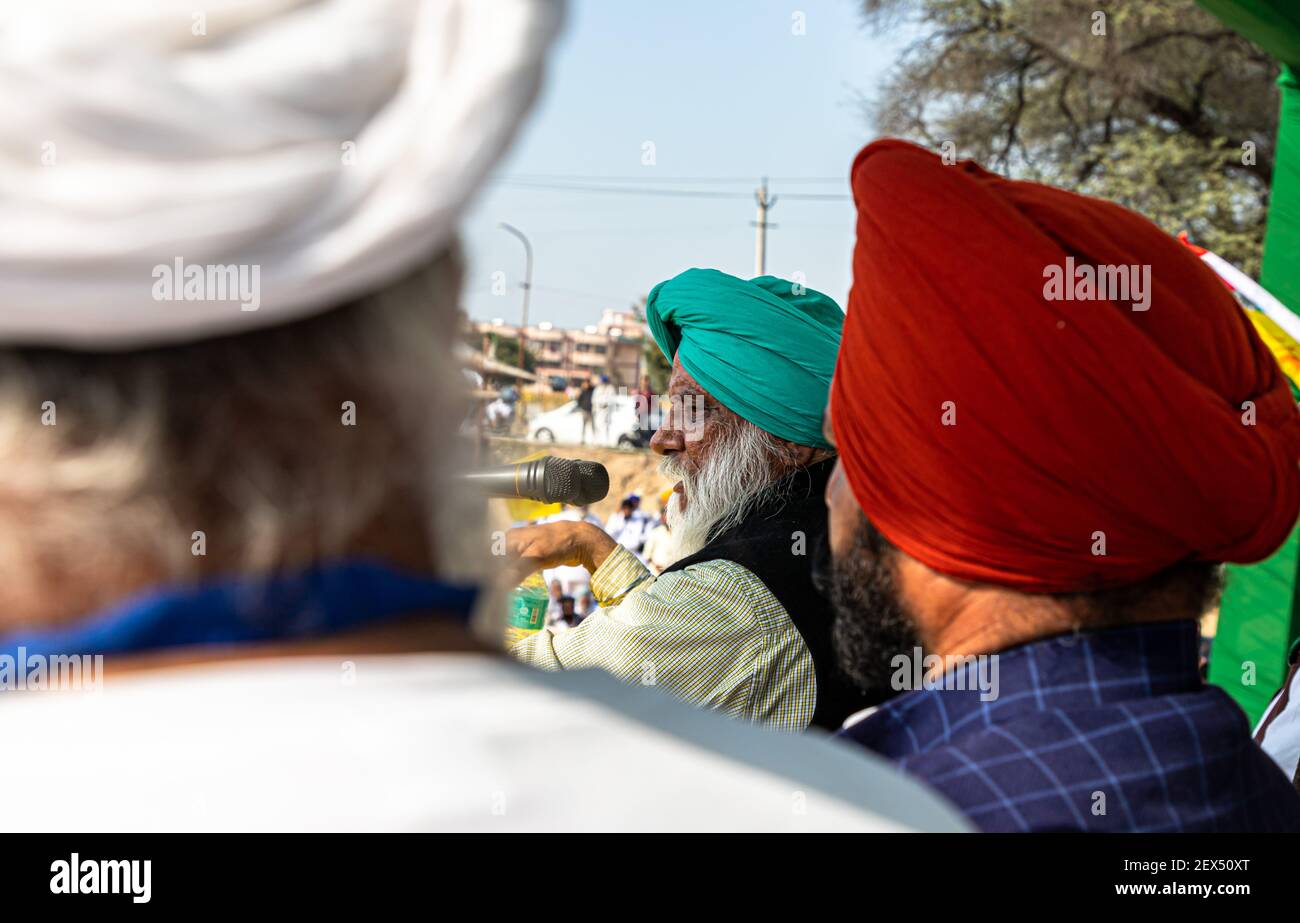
<point>522,510</point>
<point>1284,348</point>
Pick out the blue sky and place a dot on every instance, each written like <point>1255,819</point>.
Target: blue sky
<point>723,89</point>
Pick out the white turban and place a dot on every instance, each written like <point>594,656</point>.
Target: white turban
<point>321,148</point>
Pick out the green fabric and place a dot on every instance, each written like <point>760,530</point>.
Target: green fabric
<point>1273,25</point>
<point>1281,271</point>
<point>1259,616</point>
<point>764,348</point>
<point>1248,658</point>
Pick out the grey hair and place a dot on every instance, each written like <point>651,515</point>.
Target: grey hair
<point>112,462</point>
<point>740,472</point>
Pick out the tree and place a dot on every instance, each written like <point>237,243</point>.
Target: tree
<point>1154,105</point>
<point>506,350</point>
<point>656,366</point>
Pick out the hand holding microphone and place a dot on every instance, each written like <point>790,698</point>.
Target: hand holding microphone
<point>551,480</point>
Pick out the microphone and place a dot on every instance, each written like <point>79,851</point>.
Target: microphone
<point>546,480</point>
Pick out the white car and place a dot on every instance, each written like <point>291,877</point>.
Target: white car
<point>564,425</point>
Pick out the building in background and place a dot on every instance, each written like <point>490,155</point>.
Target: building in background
<point>612,347</point>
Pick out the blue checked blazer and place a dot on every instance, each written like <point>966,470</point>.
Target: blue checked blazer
<point>1102,731</point>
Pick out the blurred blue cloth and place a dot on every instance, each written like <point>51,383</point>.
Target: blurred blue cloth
<point>322,601</point>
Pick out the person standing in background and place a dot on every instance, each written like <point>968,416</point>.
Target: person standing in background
<point>603,399</point>
<point>628,526</point>
<point>585,395</point>
<point>565,617</point>
<point>658,550</point>
<point>553,603</point>
<point>646,405</point>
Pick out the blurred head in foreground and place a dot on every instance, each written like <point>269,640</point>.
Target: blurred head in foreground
<point>227,407</point>
<point>1054,424</point>
<point>228,284</point>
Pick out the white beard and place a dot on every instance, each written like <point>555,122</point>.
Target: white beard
<point>736,473</point>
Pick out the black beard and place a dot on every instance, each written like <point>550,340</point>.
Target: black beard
<point>872,625</point>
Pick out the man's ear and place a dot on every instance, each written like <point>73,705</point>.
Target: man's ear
<point>803,454</point>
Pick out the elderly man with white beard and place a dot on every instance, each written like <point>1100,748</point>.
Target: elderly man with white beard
<point>735,622</point>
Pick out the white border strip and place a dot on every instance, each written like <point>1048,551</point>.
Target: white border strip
<point>1279,313</point>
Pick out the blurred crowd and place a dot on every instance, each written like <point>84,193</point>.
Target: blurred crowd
<point>644,534</point>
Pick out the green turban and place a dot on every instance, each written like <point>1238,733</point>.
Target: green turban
<point>764,348</point>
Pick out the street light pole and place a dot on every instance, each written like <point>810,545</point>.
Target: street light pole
<point>527,286</point>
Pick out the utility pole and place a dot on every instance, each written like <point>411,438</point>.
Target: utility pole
<point>527,286</point>
<point>761,226</point>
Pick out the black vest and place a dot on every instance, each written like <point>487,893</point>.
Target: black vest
<point>763,544</point>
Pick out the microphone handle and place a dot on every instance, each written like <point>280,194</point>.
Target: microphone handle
<point>530,480</point>
<point>547,480</point>
<point>522,481</point>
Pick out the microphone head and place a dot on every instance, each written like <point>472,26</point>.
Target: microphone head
<point>569,480</point>
<point>593,482</point>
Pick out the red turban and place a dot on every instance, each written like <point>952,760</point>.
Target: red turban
<point>1001,436</point>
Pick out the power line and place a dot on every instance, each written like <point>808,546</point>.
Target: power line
<point>643,178</point>
<point>680,193</point>
<point>628,190</point>
<point>607,186</point>
<point>638,229</point>
<point>575,293</point>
